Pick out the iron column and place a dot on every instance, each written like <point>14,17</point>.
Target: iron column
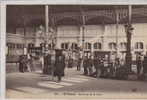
<point>129,29</point>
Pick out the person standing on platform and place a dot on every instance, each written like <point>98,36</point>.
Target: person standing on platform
<point>59,67</point>
<point>52,64</point>
<point>85,65</point>
<point>70,62</point>
<point>90,65</point>
<point>139,65</point>
<point>145,66</point>
<point>49,71</point>
<point>102,66</point>
<point>21,69</point>
<point>45,69</point>
<point>30,63</point>
<point>79,64</point>
<point>64,64</point>
<point>47,64</point>
<point>23,63</point>
<point>96,63</point>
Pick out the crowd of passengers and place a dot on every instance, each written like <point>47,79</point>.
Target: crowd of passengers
<point>91,66</point>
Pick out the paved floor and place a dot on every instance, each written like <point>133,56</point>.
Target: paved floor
<point>37,85</point>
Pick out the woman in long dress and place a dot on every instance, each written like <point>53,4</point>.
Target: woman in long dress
<point>59,67</point>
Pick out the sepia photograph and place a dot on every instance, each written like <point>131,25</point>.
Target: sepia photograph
<point>76,51</point>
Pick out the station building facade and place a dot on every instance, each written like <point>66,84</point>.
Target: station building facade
<point>99,32</point>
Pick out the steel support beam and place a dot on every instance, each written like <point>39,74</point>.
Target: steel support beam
<point>129,37</point>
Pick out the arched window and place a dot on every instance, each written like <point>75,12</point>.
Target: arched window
<point>64,45</point>
<point>97,45</point>
<point>11,45</point>
<point>123,45</point>
<point>18,46</point>
<point>74,46</point>
<point>112,46</point>
<point>30,45</point>
<point>87,45</point>
<point>139,45</point>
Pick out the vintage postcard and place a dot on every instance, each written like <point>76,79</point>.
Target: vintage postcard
<point>74,50</point>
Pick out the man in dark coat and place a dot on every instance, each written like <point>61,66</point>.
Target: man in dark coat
<point>90,65</point>
<point>63,62</point>
<point>21,69</point>
<point>70,62</point>
<point>23,63</point>
<point>145,65</point>
<point>101,66</point>
<point>79,64</point>
<point>47,64</point>
<point>85,65</point>
<point>96,63</point>
<point>49,71</point>
<point>59,67</point>
<point>139,65</point>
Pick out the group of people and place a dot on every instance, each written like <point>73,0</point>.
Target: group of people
<point>99,66</point>
<point>54,66</point>
<point>94,67</point>
<point>26,63</point>
<point>141,65</point>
